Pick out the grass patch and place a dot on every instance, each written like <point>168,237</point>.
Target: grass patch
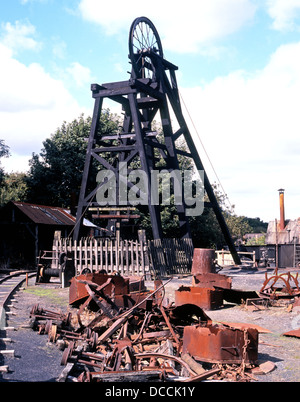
<point>53,295</point>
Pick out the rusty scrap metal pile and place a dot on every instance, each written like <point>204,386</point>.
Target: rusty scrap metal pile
<point>123,332</point>
<point>280,286</point>
<point>119,334</point>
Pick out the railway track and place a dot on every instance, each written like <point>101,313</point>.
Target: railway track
<point>8,285</point>
<point>24,354</point>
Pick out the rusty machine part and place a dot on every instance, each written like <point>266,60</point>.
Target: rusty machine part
<point>203,261</point>
<point>211,280</point>
<point>221,344</point>
<point>289,286</point>
<point>294,333</point>
<point>79,293</point>
<point>151,90</point>
<point>64,272</point>
<point>44,314</point>
<point>207,288</point>
<point>115,290</point>
<point>206,298</point>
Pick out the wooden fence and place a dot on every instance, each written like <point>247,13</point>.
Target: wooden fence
<point>90,255</point>
<point>128,257</point>
<point>171,256</point>
<point>224,257</point>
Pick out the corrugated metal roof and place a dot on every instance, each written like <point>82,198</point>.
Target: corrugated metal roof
<point>46,215</point>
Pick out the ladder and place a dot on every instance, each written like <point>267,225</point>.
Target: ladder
<point>297,256</point>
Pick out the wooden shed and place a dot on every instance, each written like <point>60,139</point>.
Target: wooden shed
<point>25,229</point>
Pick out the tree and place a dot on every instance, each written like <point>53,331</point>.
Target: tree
<point>4,153</point>
<point>238,226</point>
<point>14,188</point>
<point>257,241</point>
<point>257,225</point>
<point>55,174</point>
<point>206,231</point>
<point>169,215</point>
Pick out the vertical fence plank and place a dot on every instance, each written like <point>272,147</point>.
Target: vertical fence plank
<point>127,257</point>
<point>106,254</point>
<point>74,254</point>
<point>131,257</point>
<point>142,258</point>
<point>137,258</point>
<point>80,255</point>
<point>117,255</point>
<point>96,254</point>
<point>122,257</point>
<point>111,257</point>
<point>101,255</point>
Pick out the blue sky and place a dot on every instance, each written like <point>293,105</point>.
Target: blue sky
<point>239,78</point>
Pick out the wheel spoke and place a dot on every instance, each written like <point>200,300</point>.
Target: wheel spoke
<point>141,43</point>
<point>143,37</point>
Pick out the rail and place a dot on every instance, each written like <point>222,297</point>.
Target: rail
<point>8,285</point>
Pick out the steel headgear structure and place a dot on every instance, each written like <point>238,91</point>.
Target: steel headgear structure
<point>150,90</point>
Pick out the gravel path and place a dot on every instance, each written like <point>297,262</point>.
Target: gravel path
<point>281,350</point>
<point>37,360</point>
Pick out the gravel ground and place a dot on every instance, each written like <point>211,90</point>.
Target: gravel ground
<point>36,360</point>
<point>281,350</point>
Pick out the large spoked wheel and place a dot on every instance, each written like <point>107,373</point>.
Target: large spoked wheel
<point>143,40</point>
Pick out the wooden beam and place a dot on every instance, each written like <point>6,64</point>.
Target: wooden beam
<point>128,376</point>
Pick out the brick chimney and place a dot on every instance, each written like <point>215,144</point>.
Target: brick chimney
<point>281,204</point>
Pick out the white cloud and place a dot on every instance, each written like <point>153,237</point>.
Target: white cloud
<point>32,106</point>
<point>19,36</point>
<point>80,75</point>
<point>59,48</point>
<point>249,125</point>
<point>183,26</point>
<point>33,1</point>
<point>285,14</point>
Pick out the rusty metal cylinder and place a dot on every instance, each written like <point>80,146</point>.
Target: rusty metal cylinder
<point>203,261</point>
<point>282,212</point>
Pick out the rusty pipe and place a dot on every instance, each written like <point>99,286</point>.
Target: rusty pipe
<point>282,212</point>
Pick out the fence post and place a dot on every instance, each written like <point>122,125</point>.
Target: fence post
<point>127,256</point>
<point>106,254</point>
<point>142,256</point>
<point>122,257</point>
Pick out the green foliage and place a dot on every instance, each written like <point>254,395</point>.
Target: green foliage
<point>55,174</point>
<point>206,231</point>
<point>14,188</point>
<point>169,216</point>
<point>4,153</point>
<point>257,225</point>
<point>259,241</point>
<point>238,226</point>
<point>4,149</point>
